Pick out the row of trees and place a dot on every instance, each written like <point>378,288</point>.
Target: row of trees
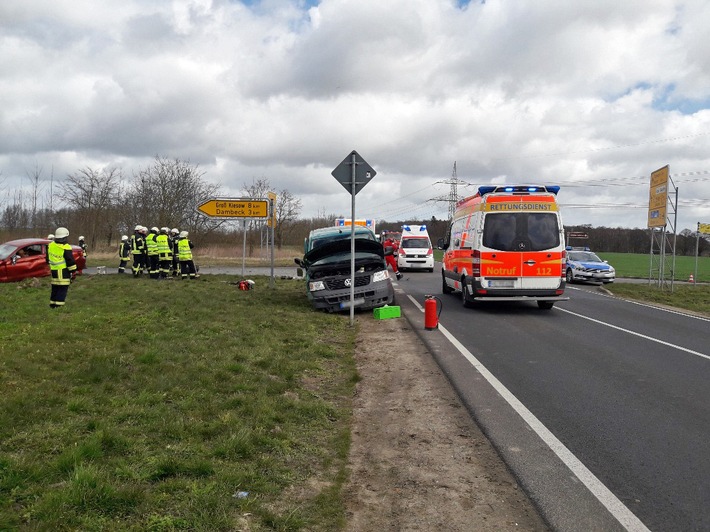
<point>619,240</point>
<point>102,204</point>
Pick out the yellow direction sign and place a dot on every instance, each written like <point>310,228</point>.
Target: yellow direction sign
<point>235,208</point>
<point>658,198</point>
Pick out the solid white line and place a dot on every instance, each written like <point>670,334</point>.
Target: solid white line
<point>617,508</point>
<point>641,304</point>
<point>674,346</point>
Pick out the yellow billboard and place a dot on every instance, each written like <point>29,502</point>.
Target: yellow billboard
<point>658,198</point>
<point>704,228</point>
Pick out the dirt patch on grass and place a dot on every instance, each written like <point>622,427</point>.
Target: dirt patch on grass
<point>418,461</point>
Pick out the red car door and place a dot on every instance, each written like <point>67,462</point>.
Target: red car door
<point>31,265</point>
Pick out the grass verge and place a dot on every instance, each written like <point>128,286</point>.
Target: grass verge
<point>174,405</point>
<point>695,298</point>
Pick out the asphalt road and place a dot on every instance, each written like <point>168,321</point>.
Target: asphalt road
<point>600,406</point>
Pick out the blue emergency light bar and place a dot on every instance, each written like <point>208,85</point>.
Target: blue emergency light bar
<point>518,189</point>
<point>407,228</point>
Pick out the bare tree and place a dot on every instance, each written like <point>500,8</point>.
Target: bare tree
<point>258,189</point>
<point>92,195</point>
<point>35,189</point>
<point>167,193</point>
<point>288,207</point>
<point>15,216</point>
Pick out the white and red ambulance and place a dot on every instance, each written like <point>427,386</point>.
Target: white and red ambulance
<point>506,243</point>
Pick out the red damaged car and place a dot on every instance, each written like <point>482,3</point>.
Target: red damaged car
<point>24,258</point>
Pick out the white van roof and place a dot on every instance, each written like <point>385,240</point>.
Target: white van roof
<point>414,230</point>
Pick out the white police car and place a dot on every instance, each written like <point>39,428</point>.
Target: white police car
<point>585,265</point>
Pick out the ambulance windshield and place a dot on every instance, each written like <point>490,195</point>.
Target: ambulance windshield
<point>521,231</point>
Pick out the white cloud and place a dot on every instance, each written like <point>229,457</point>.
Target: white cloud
<point>591,96</point>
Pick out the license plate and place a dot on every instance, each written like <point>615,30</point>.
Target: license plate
<point>505,283</point>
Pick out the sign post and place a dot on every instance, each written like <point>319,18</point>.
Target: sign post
<point>353,173</point>
<point>231,208</point>
<point>272,224</point>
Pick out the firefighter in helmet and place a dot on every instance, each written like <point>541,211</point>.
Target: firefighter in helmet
<point>62,267</point>
<point>124,253</point>
<point>153,255</point>
<point>137,249</point>
<point>165,253</point>
<point>187,265</point>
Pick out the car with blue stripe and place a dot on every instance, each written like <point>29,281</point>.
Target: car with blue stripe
<point>584,265</point>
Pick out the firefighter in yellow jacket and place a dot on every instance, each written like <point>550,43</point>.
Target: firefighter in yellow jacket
<point>62,266</point>
<point>187,265</point>
<point>165,253</point>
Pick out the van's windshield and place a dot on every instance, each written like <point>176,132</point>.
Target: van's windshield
<point>521,231</point>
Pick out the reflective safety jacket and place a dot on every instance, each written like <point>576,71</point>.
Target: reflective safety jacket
<point>137,244</point>
<point>184,249</point>
<point>163,245</point>
<point>152,244</point>
<point>124,249</point>
<point>61,262</point>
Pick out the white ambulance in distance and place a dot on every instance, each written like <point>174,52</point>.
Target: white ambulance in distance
<point>415,251</point>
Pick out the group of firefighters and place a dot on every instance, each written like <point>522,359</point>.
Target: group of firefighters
<point>162,253</point>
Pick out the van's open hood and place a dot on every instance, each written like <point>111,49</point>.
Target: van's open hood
<point>338,247</point>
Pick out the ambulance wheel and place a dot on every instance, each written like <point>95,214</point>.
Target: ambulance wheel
<point>545,305</point>
<point>467,302</point>
<point>568,276</point>
<point>445,288</point>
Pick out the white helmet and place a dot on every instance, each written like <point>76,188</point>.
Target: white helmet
<point>61,232</point>
<point>183,234</point>
<point>124,237</point>
<point>138,228</point>
<point>50,236</point>
<point>174,231</point>
<point>164,230</point>
<point>155,229</point>
<point>81,238</point>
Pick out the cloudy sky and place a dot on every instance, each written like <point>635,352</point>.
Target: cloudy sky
<point>591,95</point>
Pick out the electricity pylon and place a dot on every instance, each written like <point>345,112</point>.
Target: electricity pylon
<point>453,196</point>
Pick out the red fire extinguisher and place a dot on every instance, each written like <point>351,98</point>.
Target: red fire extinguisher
<point>431,315</point>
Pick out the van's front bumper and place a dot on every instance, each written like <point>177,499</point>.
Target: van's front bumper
<point>371,296</point>
<point>424,263</point>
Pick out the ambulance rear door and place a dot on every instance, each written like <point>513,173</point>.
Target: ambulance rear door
<point>522,250</point>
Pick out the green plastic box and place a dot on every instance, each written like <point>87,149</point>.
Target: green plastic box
<point>387,312</point>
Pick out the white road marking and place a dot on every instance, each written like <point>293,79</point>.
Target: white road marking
<point>617,508</point>
<point>674,346</point>
<point>641,304</point>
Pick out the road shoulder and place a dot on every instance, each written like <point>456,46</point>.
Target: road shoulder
<point>418,461</point>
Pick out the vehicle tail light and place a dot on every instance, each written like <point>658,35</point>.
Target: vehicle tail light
<point>476,263</point>
<point>563,260</point>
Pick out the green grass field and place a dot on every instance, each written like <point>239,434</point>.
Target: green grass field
<point>638,265</point>
<point>175,405</point>
<point>182,405</point>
